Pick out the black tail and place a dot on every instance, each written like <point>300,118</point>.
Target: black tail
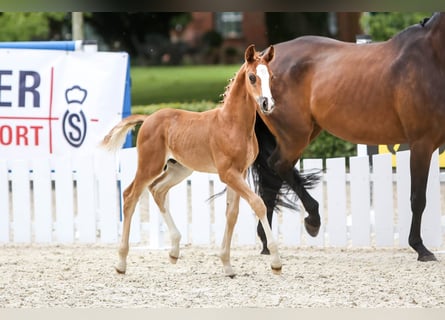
<point>267,183</point>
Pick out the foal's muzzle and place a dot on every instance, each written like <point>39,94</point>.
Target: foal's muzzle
<point>266,104</point>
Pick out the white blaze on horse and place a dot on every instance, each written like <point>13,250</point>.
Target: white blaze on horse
<point>173,143</point>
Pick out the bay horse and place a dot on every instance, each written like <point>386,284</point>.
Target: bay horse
<point>388,92</point>
<point>173,143</point>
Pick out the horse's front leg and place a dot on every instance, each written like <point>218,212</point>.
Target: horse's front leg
<point>231,218</point>
<point>420,159</point>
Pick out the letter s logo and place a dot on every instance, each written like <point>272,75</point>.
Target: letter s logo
<point>74,128</point>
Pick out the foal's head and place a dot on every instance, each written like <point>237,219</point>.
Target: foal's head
<point>258,77</point>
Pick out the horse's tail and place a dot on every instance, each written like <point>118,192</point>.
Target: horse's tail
<point>267,183</point>
<point>116,137</point>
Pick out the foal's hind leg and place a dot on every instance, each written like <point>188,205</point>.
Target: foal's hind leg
<point>232,211</point>
<point>174,173</point>
<point>131,197</point>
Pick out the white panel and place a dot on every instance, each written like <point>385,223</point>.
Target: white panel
<point>43,221</point>
<point>245,228</point>
<point>21,201</point>
<point>4,202</point>
<point>200,228</point>
<point>403,196</point>
<point>105,166</point>
<point>220,205</point>
<point>157,226</point>
<point>128,167</point>
<point>64,200</point>
<point>383,200</point>
<point>336,188</point>
<point>291,227</point>
<point>431,219</point>
<point>317,194</point>
<point>360,201</point>
<point>86,200</point>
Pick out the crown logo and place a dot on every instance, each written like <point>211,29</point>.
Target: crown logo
<point>75,94</point>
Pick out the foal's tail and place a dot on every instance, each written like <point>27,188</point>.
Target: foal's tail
<point>116,137</point>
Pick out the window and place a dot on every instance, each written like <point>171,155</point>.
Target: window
<point>229,24</point>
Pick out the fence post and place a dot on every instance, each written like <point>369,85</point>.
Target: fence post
<point>360,201</point>
<point>63,174</point>
<point>43,220</point>
<point>403,196</point>
<point>336,188</point>
<point>86,200</point>
<point>200,228</point>
<point>21,201</point>
<point>383,200</point>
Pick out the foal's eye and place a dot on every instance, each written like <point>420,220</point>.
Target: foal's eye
<point>252,78</point>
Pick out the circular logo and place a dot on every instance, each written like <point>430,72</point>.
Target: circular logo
<point>74,128</point>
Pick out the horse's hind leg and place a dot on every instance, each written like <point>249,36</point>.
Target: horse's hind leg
<point>419,163</point>
<point>232,211</point>
<point>174,173</point>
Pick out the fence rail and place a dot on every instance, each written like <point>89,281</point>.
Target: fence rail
<point>57,201</point>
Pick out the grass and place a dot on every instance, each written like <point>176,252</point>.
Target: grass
<point>183,84</point>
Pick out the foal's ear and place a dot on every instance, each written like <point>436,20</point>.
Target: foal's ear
<point>249,55</point>
<point>269,54</point>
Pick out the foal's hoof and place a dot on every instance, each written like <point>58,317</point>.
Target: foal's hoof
<point>276,270</point>
<point>311,229</point>
<point>172,259</point>
<point>427,257</point>
<point>265,251</point>
<point>119,271</point>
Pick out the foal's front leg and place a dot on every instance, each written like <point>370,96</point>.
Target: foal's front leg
<point>237,182</point>
<point>231,218</point>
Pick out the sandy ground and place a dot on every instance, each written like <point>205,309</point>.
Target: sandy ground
<point>83,276</point>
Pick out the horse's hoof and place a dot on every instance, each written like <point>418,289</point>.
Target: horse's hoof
<point>172,259</point>
<point>265,251</point>
<point>428,257</point>
<point>276,270</point>
<point>311,229</point>
<point>231,276</point>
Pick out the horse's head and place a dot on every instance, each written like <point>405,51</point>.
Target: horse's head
<point>258,77</point>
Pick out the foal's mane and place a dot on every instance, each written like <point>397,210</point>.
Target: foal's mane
<point>229,86</point>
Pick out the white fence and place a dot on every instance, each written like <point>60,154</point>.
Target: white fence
<point>56,201</point>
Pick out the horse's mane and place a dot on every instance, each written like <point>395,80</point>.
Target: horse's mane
<point>422,26</point>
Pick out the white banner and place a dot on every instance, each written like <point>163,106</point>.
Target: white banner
<point>58,102</point>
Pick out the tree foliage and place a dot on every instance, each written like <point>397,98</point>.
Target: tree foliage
<point>27,26</point>
<point>383,25</point>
